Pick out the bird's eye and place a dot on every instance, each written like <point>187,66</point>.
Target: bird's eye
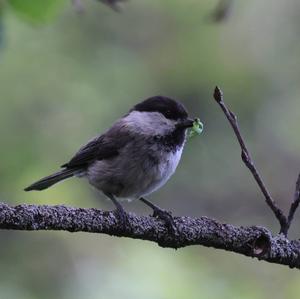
<point>168,113</point>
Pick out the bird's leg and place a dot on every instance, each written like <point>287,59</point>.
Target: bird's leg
<point>121,213</point>
<point>164,215</point>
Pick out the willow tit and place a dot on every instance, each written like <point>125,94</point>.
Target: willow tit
<point>133,158</point>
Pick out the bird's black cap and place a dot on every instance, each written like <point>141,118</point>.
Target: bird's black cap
<point>170,108</point>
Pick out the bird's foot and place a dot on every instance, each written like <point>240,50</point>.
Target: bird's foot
<point>167,217</point>
<point>122,217</point>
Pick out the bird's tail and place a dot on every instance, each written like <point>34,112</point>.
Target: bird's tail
<point>50,180</point>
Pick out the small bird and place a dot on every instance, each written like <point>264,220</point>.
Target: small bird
<point>134,157</point>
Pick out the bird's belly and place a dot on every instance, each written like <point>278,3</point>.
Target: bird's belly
<point>149,178</point>
<point>163,173</point>
<point>135,177</point>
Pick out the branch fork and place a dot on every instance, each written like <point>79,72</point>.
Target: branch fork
<point>284,221</point>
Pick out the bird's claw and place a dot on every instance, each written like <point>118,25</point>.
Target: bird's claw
<point>122,217</point>
<point>167,217</point>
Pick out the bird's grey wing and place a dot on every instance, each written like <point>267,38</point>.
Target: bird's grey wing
<point>102,147</point>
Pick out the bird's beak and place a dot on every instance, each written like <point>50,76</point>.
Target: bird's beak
<point>186,123</point>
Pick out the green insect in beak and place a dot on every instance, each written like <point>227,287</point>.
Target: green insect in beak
<point>196,129</point>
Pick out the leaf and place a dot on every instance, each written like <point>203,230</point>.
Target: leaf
<point>37,11</point>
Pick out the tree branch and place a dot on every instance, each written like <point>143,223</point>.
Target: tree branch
<point>293,207</point>
<point>251,241</point>
<point>113,4</point>
<point>218,95</point>
<point>221,11</point>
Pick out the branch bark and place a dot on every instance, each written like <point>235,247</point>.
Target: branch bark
<point>293,207</point>
<point>251,241</point>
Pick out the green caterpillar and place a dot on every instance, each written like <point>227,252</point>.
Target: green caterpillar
<point>197,128</point>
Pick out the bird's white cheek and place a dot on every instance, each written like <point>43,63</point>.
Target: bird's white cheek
<point>149,123</point>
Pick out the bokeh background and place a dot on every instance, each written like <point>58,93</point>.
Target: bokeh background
<point>66,75</point>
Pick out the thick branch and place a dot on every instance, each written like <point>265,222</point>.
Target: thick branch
<point>246,157</point>
<point>250,241</point>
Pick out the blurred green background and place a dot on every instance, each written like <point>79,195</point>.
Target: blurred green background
<point>65,76</point>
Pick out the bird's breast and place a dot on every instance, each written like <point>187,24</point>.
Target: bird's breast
<point>158,174</point>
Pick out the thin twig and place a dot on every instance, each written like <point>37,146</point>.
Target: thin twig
<point>222,11</point>
<point>218,96</point>
<point>78,6</point>
<point>293,207</point>
<point>113,4</point>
